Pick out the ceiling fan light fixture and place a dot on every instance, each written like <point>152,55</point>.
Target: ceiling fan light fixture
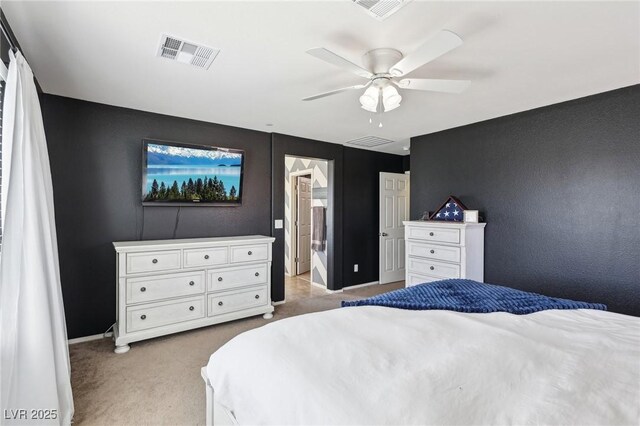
<point>370,109</point>
<point>369,100</point>
<point>395,72</point>
<point>391,98</point>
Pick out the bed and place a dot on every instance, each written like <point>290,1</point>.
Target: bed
<point>381,365</point>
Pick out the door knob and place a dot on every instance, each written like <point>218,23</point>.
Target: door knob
<point>384,234</point>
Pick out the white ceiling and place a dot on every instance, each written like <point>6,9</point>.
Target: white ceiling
<point>519,55</point>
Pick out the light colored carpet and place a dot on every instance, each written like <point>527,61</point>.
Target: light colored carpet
<point>158,381</point>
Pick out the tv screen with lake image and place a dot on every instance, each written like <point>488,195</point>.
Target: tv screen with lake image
<point>176,173</point>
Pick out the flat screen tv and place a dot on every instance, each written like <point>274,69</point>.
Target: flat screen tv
<point>180,174</point>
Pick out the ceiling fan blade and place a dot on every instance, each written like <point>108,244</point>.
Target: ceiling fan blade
<point>334,92</point>
<point>435,47</point>
<point>434,85</point>
<point>339,61</point>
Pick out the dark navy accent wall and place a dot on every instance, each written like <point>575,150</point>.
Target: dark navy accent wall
<point>95,153</point>
<point>362,213</point>
<point>560,189</point>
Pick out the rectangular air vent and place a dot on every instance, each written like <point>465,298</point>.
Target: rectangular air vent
<point>369,141</point>
<point>381,9</point>
<point>186,52</point>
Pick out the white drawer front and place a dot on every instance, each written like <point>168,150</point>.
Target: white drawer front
<point>205,257</point>
<point>166,286</point>
<point>230,302</point>
<point>434,251</point>
<point>152,261</point>
<point>433,268</point>
<point>223,279</point>
<point>415,279</point>
<point>249,253</point>
<point>443,235</point>
<point>144,317</point>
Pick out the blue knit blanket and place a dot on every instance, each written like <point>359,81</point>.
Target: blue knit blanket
<point>470,296</point>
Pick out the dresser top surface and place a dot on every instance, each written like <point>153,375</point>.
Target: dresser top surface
<point>123,246</point>
<point>443,224</point>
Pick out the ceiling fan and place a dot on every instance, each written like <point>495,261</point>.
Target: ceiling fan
<point>385,67</point>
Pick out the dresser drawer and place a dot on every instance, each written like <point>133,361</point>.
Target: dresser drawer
<point>443,235</point>
<point>249,253</point>
<point>433,268</point>
<point>205,257</point>
<point>159,287</point>
<point>152,261</point>
<point>153,315</point>
<point>224,279</point>
<point>415,279</point>
<point>230,302</point>
<point>434,251</point>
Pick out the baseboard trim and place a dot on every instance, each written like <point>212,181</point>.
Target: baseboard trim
<point>282,302</point>
<point>361,285</point>
<point>89,338</point>
<point>334,291</point>
<point>317,285</point>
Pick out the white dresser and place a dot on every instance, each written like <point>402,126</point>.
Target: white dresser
<point>438,250</point>
<point>168,286</point>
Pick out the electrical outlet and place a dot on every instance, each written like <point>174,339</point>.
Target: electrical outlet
<point>355,267</point>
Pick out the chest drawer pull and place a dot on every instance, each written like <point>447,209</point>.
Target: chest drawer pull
<point>432,267</point>
<point>432,251</point>
<point>154,261</point>
<point>257,296</point>
<point>257,274</point>
<point>219,278</point>
<point>191,308</point>
<point>192,283</point>
<point>143,317</point>
<point>143,289</point>
<point>431,234</point>
<point>249,252</point>
<point>220,303</point>
<point>206,256</point>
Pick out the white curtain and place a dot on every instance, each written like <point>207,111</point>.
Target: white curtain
<point>34,364</point>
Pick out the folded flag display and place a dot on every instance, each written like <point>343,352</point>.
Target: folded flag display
<point>470,296</point>
<point>451,210</point>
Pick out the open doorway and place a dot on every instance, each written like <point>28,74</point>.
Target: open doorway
<point>306,189</point>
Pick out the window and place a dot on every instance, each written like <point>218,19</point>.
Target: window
<point>2,83</point>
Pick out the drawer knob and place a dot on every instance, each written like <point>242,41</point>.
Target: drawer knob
<point>192,283</point>
<point>257,296</point>
<point>249,252</point>
<point>206,256</point>
<point>432,251</point>
<point>432,267</point>
<point>220,303</point>
<point>257,274</point>
<point>191,308</point>
<point>143,317</point>
<point>154,261</point>
<point>219,278</point>
<point>143,289</point>
<point>431,234</point>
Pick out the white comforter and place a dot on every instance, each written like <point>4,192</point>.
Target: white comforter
<point>375,365</point>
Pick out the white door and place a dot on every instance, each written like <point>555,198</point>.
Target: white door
<point>303,225</point>
<point>394,209</point>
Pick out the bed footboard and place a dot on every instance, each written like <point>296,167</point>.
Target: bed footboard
<point>216,414</point>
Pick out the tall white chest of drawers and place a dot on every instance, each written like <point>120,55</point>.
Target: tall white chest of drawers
<point>168,286</point>
<point>438,250</point>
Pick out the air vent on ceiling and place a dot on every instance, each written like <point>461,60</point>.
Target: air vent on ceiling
<point>369,141</point>
<point>186,52</point>
<point>381,9</point>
